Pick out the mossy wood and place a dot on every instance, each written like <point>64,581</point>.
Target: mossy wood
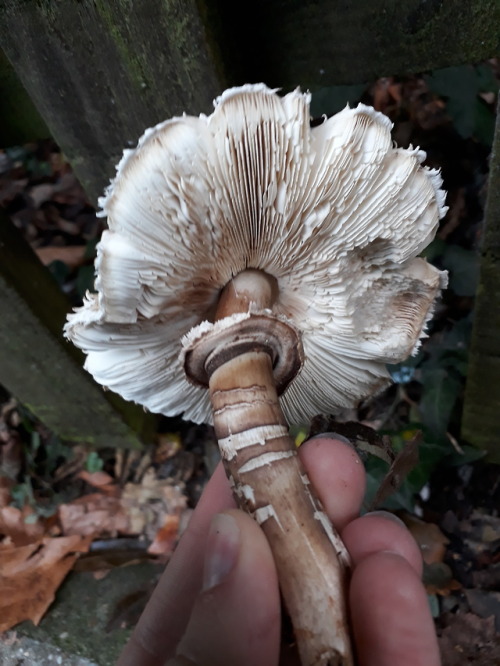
<point>21,122</point>
<point>316,43</point>
<point>44,371</point>
<point>481,418</point>
<point>100,72</point>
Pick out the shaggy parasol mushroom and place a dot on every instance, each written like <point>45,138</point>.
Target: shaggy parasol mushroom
<point>252,255</point>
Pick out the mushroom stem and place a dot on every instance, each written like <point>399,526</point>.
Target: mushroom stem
<point>269,482</point>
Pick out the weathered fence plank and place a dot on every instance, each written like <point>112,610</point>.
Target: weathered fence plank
<point>20,121</point>
<point>328,42</point>
<point>40,368</point>
<point>100,72</point>
<point>481,417</point>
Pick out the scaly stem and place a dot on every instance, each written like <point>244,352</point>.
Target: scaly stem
<point>262,464</point>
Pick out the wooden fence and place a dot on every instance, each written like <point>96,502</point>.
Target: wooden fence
<point>100,72</point>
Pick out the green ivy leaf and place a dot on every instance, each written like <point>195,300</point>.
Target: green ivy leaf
<point>60,271</point>
<point>85,280</point>
<point>93,463</point>
<point>434,250</point>
<point>464,269</point>
<point>441,390</point>
<point>434,605</point>
<point>327,101</point>
<point>460,87</point>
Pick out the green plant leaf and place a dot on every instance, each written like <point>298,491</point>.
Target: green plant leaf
<point>85,280</point>
<point>459,86</point>
<point>484,128</point>
<point>434,605</point>
<point>90,249</point>
<point>464,269</point>
<point>327,101</point>
<point>94,462</point>
<point>441,390</point>
<point>434,250</point>
<point>486,79</point>
<point>60,271</point>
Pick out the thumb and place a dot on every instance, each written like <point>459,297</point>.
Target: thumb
<point>236,617</point>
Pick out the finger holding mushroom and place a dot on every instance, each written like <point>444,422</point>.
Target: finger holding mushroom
<point>275,265</point>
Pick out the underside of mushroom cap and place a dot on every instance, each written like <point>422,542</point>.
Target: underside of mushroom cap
<point>335,214</point>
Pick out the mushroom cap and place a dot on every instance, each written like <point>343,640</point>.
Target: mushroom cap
<point>336,214</point>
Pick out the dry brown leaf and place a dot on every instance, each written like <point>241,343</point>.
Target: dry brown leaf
<point>68,190</point>
<point>5,488</point>
<point>9,189</point>
<point>101,480</point>
<point>9,639</point>
<point>168,445</point>
<point>72,255</point>
<point>166,538</point>
<point>468,639</point>
<point>96,514</point>
<point>31,574</point>
<point>96,479</point>
<point>438,579</point>
<point>361,435</point>
<point>485,603</point>
<point>149,503</point>
<point>41,193</point>
<point>405,461</point>
<point>431,541</point>
<point>20,527</point>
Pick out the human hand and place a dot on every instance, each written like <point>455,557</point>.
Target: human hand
<point>218,604</point>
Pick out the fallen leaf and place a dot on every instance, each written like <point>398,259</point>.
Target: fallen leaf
<point>39,194</point>
<point>101,480</point>
<point>129,609</point>
<point>31,574</point>
<point>485,604</point>
<point>100,574</point>
<point>405,461</point>
<point>364,438</point>
<point>6,485</point>
<point>106,554</point>
<point>431,541</point>
<point>168,444</point>
<point>481,532</point>
<point>94,514</point>
<point>469,639</point>
<point>488,578</point>
<point>166,538</point>
<point>20,527</point>
<point>438,579</point>
<point>71,255</point>
<point>149,503</point>
<point>9,639</point>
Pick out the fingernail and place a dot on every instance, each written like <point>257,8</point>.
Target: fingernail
<point>387,515</point>
<point>332,435</point>
<point>223,545</point>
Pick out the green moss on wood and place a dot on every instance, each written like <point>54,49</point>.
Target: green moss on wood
<point>100,73</point>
